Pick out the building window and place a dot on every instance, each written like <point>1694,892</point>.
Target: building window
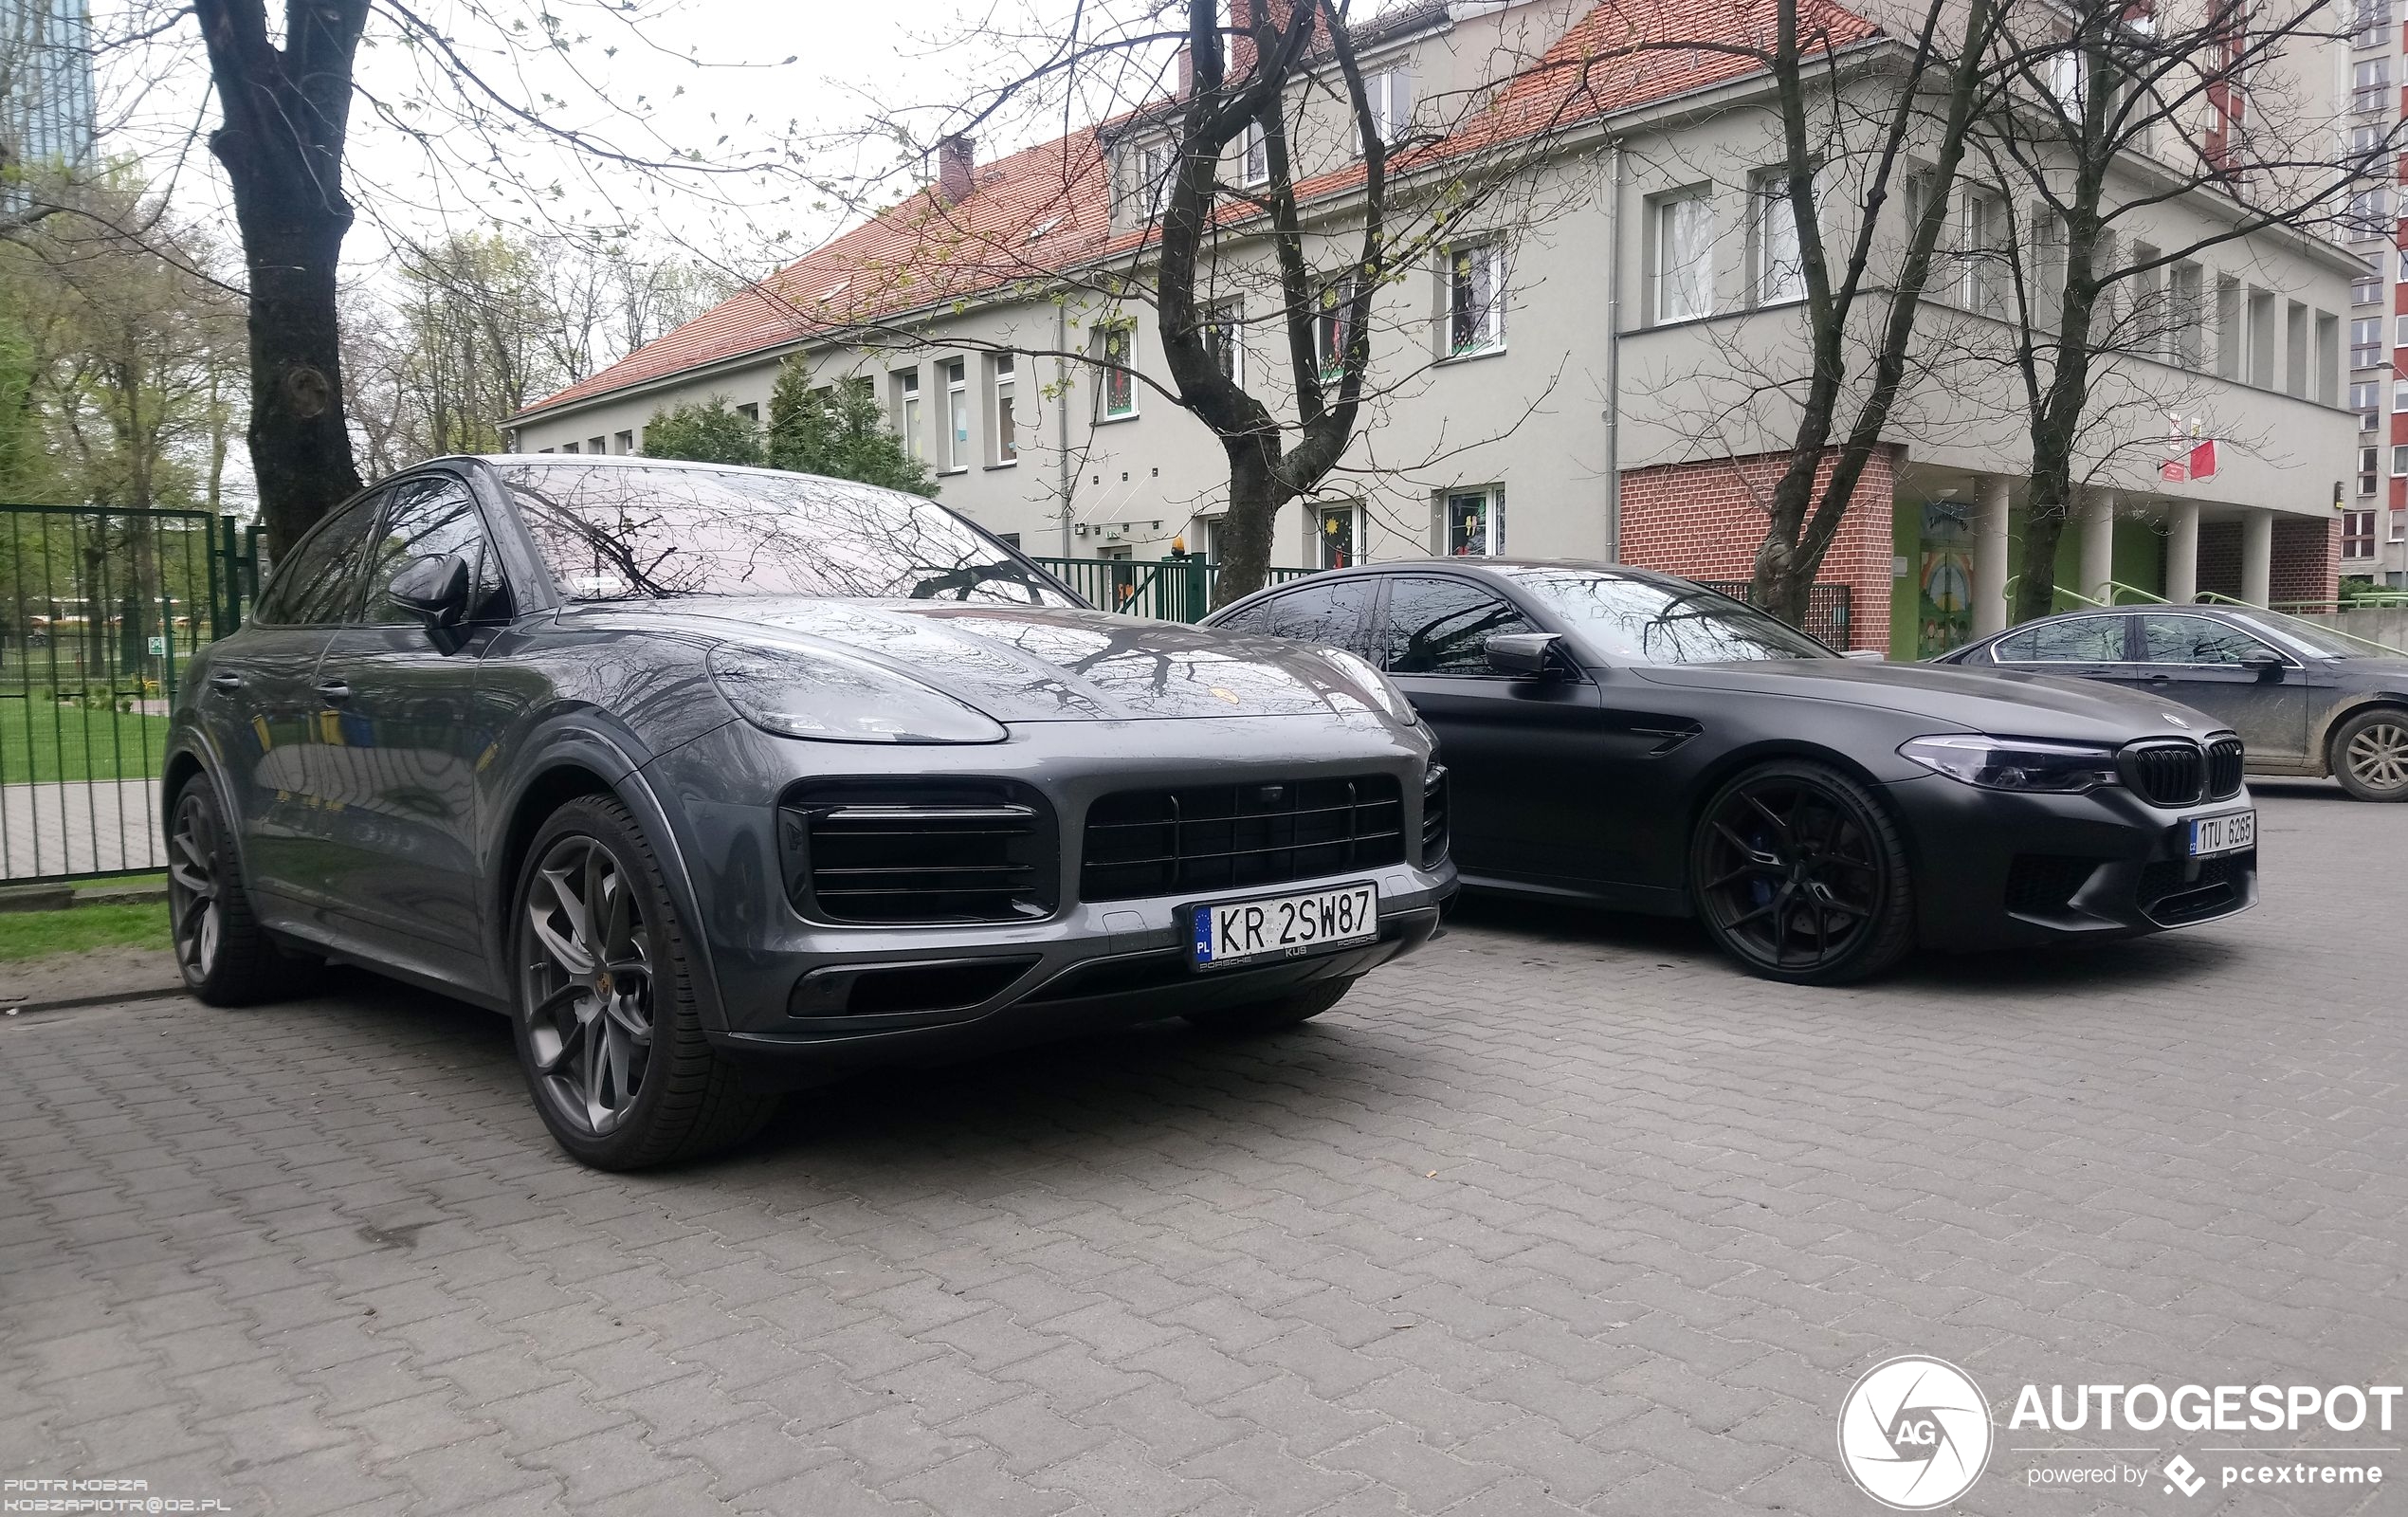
<point>1476,298</point>
<point>1475,522</point>
<point>2373,28</point>
<point>1334,328</point>
<point>1683,256</point>
<point>1776,270</point>
<point>1114,347</point>
<point>1254,159</point>
<point>568,448</point>
<point>2369,211</point>
<point>2358,534</point>
<point>1341,534</point>
<point>2399,461</point>
<point>1004,369</point>
<point>2398,532</point>
<point>2365,291</point>
<point>750,411</point>
<point>956,378</point>
<point>2365,341</point>
<point>1145,174</point>
<point>2185,288</point>
<point>2370,84</point>
<point>908,413</point>
<point>2366,397</point>
<point>1223,339</point>
<point>1982,247</point>
<point>1389,92</point>
<point>623,444</point>
<point>2369,468</point>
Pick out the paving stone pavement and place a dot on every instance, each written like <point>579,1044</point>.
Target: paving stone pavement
<point>1561,1215</point>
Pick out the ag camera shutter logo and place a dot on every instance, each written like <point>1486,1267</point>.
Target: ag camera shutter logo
<point>1914,1433</point>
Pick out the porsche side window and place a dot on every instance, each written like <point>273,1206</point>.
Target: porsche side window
<point>1329,615</point>
<point>1443,625</point>
<point>319,582</point>
<point>2083,640</point>
<point>2196,640</point>
<point>432,518</point>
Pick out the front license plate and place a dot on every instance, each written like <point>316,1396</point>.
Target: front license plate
<point>1284,926</point>
<point>2228,834</point>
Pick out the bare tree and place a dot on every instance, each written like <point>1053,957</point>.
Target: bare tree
<point>2113,122</point>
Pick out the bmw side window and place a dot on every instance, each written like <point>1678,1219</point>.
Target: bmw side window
<point>2083,640</point>
<point>433,519</point>
<point>2196,640</point>
<point>1443,625</point>
<point>319,582</point>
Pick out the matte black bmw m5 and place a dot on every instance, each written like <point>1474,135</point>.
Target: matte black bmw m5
<point>717,779</point>
<point>1634,740</point>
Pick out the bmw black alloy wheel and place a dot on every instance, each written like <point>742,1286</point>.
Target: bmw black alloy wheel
<point>195,917</point>
<point>1800,877</point>
<point>588,985</point>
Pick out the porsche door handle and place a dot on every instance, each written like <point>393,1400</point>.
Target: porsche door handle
<point>225,681</point>
<point>335,691</point>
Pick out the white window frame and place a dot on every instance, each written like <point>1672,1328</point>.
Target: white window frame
<point>2365,341</point>
<point>2370,468</point>
<point>1776,257</point>
<point>1254,156</point>
<point>2399,525</point>
<point>907,414</point>
<point>1003,408</point>
<point>1493,524</point>
<point>2370,84</point>
<point>1388,89</point>
<point>1353,511</point>
<point>956,375</point>
<point>1123,334</point>
<point>2399,461</point>
<point>1332,326</point>
<point>2365,514</point>
<point>1691,294</point>
<point>1981,249</point>
<point>1474,324</point>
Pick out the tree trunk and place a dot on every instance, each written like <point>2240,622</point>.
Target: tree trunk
<point>281,142</point>
<point>1244,541</point>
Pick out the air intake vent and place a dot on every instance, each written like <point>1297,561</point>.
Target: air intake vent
<point>1218,837</point>
<point>2038,884</point>
<point>2176,891</point>
<point>2224,766</point>
<point>2165,774</point>
<point>890,854</point>
<point>1433,816</point>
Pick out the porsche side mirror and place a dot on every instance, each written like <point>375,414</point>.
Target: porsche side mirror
<point>435,591</point>
<point>1523,655</point>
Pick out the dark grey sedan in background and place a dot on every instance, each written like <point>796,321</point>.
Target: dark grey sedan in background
<point>2305,700</point>
<point>718,779</point>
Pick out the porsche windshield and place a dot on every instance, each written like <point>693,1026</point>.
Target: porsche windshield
<point>625,532</point>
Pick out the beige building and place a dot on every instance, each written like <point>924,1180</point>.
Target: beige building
<point>1588,363</point>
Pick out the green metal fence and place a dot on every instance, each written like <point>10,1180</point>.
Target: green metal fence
<point>1173,589</point>
<point>100,613</point>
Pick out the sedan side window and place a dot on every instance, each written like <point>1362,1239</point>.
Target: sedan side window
<point>433,519</point>
<point>2196,640</point>
<point>319,582</point>
<point>1443,625</point>
<point>2082,640</point>
<point>1330,615</point>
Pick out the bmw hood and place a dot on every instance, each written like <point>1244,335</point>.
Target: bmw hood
<point>2016,706</point>
<point>1042,663</point>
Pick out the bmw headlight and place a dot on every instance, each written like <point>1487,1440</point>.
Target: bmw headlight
<point>1380,687</point>
<point>796,693</point>
<point>2015,763</point>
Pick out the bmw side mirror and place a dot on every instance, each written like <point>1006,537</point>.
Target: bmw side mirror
<point>435,591</point>
<point>1523,655</point>
<point>2267,666</point>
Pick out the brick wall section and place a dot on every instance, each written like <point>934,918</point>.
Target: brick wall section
<point>1707,520</point>
<point>2306,564</point>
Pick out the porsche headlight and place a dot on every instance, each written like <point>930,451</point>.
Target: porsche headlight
<point>2029,764</point>
<point>796,693</point>
<point>1380,687</point>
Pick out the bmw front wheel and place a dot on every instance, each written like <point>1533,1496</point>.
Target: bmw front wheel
<point>609,1035</point>
<point>1799,874</point>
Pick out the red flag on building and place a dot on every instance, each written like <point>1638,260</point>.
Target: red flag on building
<point>2204,459</point>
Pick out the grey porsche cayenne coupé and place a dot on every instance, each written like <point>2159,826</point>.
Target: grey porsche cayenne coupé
<point>715,780</point>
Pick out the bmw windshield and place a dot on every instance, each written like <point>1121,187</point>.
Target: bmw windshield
<point>625,532</point>
<point>1652,621</point>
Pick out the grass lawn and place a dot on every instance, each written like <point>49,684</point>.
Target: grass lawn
<point>40,934</point>
<point>42,740</point>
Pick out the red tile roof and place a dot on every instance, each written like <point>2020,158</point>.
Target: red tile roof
<point>1047,209</point>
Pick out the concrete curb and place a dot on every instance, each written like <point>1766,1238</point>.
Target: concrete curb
<point>68,1003</point>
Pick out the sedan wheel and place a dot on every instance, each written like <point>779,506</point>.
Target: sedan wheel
<point>608,1032</point>
<point>2371,754</point>
<point>1799,875</point>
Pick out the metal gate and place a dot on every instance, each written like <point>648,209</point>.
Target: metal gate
<point>101,611</point>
